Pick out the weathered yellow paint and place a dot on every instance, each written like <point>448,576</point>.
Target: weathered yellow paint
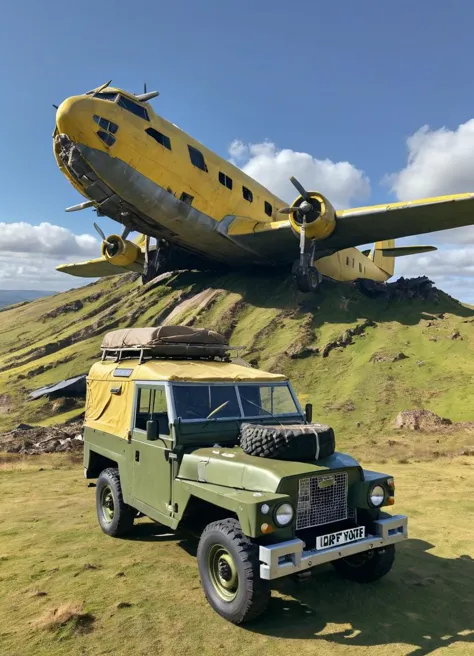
<point>111,412</point>
<point>174,171</point>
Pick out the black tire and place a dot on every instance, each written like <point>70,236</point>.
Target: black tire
<point>109,498</point>
<point>247,596</point>
<point>308,280</point>
<point>367,566</point>
<point>299,442</point>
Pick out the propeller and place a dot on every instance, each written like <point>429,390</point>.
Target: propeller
<point>102,236</point>
<point>305,208</point>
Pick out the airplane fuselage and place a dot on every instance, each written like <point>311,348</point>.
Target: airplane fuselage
<point>152,177</point>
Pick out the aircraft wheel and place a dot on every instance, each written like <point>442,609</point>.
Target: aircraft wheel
<point>308,280</point>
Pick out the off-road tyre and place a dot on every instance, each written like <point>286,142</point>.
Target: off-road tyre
<point>109,490</point>
<point>377,563</point>
<point>252,593</point>
<point>300,442</point>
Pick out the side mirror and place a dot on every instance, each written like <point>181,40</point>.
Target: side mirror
<point>151,430</point>
<point>308,410</point>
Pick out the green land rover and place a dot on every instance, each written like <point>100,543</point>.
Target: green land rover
<point>178,431</point>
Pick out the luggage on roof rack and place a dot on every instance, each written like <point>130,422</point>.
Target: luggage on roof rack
<point>166,342</point>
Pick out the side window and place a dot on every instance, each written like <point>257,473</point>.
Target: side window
<point>197,158</point>
<point>151,404</point>
<point>247,194</point>
<point>159,137</point>
<point>225,180</point>
<point>268,208</point>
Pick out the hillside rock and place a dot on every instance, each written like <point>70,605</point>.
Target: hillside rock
<point>423,420</point>
<point>33,440</point>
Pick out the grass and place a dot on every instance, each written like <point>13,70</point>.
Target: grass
<point>69,589</point>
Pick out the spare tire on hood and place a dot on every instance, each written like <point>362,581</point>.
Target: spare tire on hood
<point>298,442</point>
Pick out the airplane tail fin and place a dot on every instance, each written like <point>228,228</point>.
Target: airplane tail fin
<point>385,252</point>
<point>383,261</point>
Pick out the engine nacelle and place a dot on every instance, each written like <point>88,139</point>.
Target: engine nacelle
<point>120,252</point>
<point>320,222</point>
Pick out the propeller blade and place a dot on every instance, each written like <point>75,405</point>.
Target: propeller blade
<point>304,208</point>
<point>125,233</point>
<point>55,106</point>
<point>144,87</point>
<point>300,188</point>
<point>102,236</point>
<point>80,206</point>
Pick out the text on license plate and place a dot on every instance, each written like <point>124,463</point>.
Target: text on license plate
<point>341,537</point>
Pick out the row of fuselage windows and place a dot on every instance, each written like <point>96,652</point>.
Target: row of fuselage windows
<point>197,160</point>
<point>195,155</point>
<point>361,268</point>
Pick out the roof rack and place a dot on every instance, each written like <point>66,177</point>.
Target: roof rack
<point>172,352</point>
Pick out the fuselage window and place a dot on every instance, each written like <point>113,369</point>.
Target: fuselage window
<point>268,208</point>
<point>106,137</point>
<point>159,137</point>
<point>106,96</point>
<point>197,158</point>
<point>106,125</point>
<point>247,194</point>
<point>347,261</point>
<point>352,262</point>
<point>225,180</point>
<point>133,107</point>
<point>360,267</point>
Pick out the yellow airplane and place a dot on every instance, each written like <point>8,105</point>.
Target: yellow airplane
<point>205,213</point>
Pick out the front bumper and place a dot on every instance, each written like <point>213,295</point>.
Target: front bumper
<point>289,557</point>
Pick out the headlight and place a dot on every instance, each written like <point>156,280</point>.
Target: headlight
<point>265,509</point>
<point>284,514</point>
<point>376,496</point>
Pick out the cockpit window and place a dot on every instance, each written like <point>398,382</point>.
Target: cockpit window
<point>133,107</point>
<point>106,137</point>
<point>105,124</point>
<point>106,96</point>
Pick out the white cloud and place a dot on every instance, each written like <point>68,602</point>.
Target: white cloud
<point>341,182</point>
<point>439,162</point>
<point>45,239</point>
<point>30,254</point>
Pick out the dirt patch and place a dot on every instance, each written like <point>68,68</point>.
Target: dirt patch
<point>197,303</point>
<point>33,440</point>
<point>71,615</point>
<point>383,357</point>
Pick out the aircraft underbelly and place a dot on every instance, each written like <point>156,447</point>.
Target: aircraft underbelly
<point>163,214</point>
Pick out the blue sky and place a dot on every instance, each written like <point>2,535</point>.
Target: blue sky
<point>343,81</point>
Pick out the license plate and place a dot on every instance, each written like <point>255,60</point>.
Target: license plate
<point>341,537</point>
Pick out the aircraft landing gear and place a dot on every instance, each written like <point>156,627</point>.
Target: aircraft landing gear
<point>308,279</point>
<point>155,261</point>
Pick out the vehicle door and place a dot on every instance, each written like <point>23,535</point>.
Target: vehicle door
<point>151,479</point>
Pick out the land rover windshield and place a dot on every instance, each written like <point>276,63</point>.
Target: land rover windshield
<point>195,402</point>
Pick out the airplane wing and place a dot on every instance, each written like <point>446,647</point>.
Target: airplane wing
<point>97,268</point>
<point>357,226</point>
<point>364,225</point>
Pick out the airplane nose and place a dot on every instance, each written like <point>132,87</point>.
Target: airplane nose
<point>71,117</point>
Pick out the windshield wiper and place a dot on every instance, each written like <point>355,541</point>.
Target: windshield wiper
<point>264,410</point>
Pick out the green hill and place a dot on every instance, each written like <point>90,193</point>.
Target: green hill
<point>359,360</point>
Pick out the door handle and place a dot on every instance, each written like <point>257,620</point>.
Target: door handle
<point>137,456</point>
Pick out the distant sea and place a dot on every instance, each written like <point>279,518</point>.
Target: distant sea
<point>12,296</point>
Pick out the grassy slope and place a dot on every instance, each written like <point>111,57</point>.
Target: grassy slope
<point>271,320</point>
<point>423,606</point>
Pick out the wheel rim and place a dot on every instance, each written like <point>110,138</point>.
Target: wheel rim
<point>107,504</point>
<point>360,559</point>
<point>223,573</point>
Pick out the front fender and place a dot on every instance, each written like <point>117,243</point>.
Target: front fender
<point>244,503</point>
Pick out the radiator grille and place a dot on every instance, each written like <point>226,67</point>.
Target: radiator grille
<point>320,503</point>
